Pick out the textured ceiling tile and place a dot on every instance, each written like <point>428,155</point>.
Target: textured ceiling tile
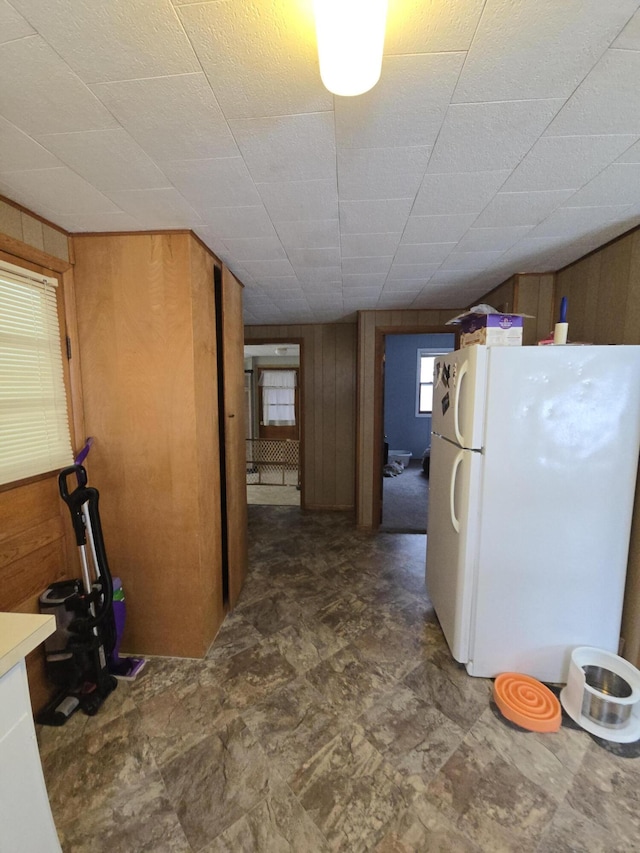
<point>110,159</point>
<point>326,257</point>
<point>60,189</point>
<point>631,155</point>
<point>617,184</point>
<point>470,260</point>
<point>430,26</point>
<point>629,38</point>
<point>362,266</point>
<point>368,281</point>
<point>537,50</point>
<point>462,193</point>
<point>369,245</point>
<point>19,151</point>
<point>405,108</point>
<point>269,269</point>
<point>220,182</point>
<point>118,40</point>
<point>608,101</point>
<point>574,221</point>
<point>12,25</point>
<point>411,272</point>
<point>423,253</point>
<point>211,238</point>
<point>408,285</point>
<point>565,162</point>
<point>33,74</point>
<point>374,216</point>
<point>488,137</point>
<point>287,148</point>
<point>300,200</point>
<point>319,277</point>
<point>437,229</point>
<point>315,234</point>
<point>261,58</point>
<point>492,239</point>
<point>172,118</point>
<point>380,173</point>
<point>255,248</point>
<point>247,221</point>
<point>164,208</point>
<point>508,209</point>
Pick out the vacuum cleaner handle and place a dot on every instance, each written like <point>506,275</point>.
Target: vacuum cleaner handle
<point>75,499</point>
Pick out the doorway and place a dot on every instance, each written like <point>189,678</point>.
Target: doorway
<point>273,407</point>
<point>406,402</point>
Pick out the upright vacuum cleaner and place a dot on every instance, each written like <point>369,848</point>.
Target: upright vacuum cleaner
<point>77,654</point>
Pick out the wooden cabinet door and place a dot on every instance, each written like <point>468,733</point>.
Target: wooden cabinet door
<point>233,450</point>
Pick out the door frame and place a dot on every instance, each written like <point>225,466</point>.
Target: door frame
<point>300,342</point>
<point>375,454</point>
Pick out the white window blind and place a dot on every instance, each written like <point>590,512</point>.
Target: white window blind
<point>34,427</point>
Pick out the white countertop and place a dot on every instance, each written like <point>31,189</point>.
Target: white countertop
<point>20,633</point>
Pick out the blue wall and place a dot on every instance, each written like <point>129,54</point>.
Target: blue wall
<point>403,429</point>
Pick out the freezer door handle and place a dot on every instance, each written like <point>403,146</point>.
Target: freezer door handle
<point>452,491</point>
<point>456,405</point>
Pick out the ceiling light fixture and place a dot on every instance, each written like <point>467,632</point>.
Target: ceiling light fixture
<point>350,37</point>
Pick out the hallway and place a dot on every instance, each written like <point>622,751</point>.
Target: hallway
<point>328,716</point>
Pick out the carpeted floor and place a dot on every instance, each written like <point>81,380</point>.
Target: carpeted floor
<point>273,495</point>
<point>405,501</point>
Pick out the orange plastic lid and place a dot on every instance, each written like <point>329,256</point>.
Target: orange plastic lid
<point>527,702</point>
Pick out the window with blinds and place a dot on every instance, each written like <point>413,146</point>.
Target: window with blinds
<point>34,426</point>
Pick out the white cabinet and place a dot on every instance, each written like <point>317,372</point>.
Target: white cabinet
<point>26,824</point>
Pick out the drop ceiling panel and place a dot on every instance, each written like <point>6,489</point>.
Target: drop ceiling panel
<point>206,184</point>
<point>300,200</point>
<point>287,148</point>
<point>380,173</point>
<point>607,101</point>
<point>488,137</point>
<point>12,24</point>
<point>110,159</point>
<point>566,162</point>
<point>192,123</point>
<point>164,208</point>
<point>260,61</point>
<point>60,189</point>
<point>405,108</point>
<point>19,151</point>
<point>538,50</point>
<point>503,136</point>
<point>113,41</point>
<point>431,26</point>
<point>40,93</point>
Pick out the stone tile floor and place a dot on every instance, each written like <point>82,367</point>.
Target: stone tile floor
<point>329,716</point>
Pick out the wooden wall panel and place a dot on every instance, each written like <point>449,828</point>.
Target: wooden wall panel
<point>603,293</point>
<point>328,439</point>
<point>135,310</point>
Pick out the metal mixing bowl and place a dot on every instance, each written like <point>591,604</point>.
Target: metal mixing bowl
<point>601,706</point>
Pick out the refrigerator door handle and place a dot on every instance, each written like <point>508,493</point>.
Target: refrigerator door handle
<point>452,491</point>
<point>464,367</point>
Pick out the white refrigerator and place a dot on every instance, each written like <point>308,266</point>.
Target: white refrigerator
<point>534,456</point>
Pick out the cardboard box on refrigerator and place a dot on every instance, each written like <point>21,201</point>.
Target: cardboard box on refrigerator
<point>497,330</point>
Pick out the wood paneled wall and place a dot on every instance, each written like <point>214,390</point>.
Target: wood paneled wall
<point>36,540</point>
<point>603,297</point>
<point>369,450</point>
<point>146,327</point>
<point>328,366</point>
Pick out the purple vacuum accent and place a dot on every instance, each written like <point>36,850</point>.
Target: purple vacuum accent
<point>84,452</point>
<point>125,668</point>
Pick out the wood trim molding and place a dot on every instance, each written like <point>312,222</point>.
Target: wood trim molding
<point>24,252</point>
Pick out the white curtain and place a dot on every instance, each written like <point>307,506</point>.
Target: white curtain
<point>278,397</point>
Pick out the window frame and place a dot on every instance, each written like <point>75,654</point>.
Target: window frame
<point>429,352</point>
